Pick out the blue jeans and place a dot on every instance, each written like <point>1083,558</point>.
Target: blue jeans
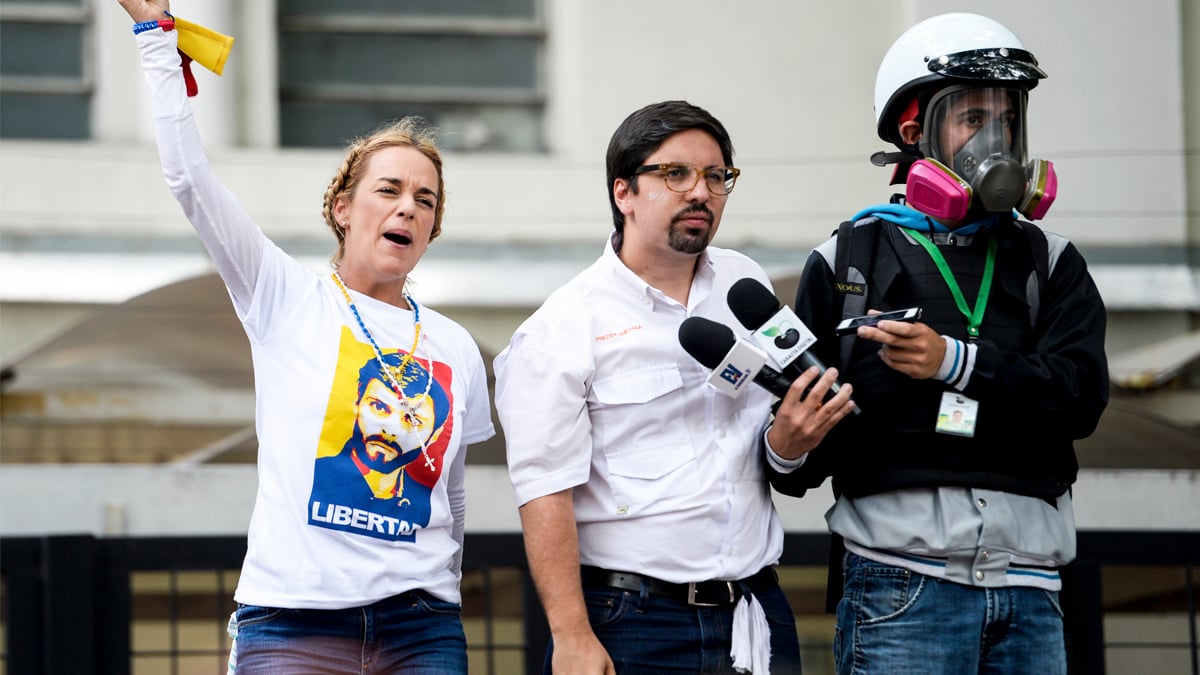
<point>651,635</point>
<point>891,620</point>
<point>413,633</point>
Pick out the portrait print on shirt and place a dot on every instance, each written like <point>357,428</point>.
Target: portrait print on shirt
<point>381,453</point>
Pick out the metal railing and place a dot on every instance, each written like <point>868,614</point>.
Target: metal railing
<point>126,606</point>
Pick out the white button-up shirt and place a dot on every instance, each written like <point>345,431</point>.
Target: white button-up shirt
<point>595,393</point>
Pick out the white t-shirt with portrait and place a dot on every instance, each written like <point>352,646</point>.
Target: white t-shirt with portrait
<point>339,521</point>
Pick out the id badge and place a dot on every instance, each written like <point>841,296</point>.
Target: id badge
<point>957,414</point>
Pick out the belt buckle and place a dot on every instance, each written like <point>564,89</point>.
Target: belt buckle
<point>691,596</point>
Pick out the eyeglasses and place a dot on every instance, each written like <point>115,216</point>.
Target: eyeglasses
<point>683,177</point>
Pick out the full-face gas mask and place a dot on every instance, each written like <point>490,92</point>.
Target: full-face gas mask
<point>973,141</point>
<point>966,78</point>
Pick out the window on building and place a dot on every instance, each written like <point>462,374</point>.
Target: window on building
<point>473,68</point>
<point>45,80</point>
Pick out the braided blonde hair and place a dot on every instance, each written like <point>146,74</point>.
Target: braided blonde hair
<point>413,131</point>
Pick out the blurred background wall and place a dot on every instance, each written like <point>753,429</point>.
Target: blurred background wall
<point>118,346</point>
<point>126,399</point>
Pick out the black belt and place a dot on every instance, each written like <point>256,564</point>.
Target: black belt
<point>699,594</point>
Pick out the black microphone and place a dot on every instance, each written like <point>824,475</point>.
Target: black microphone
<point>733,362</point>
<point>777,329</point>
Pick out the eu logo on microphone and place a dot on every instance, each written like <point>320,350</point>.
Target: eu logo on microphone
<point>733,375</point>
<point>739,366</point>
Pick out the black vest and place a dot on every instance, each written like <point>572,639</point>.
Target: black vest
<point>896,445</point>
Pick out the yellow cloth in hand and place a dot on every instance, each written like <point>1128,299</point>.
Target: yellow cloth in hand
<point>205,45</point>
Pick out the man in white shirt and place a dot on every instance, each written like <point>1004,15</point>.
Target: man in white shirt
<point>648,522</point>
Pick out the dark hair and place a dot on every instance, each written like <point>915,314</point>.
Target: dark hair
<point>645,130</point>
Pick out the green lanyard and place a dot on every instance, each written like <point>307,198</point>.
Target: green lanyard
<point>974,318</point>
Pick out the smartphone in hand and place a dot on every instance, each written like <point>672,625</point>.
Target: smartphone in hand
<point>849,326</point>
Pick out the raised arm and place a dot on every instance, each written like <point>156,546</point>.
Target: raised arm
<point>146,10</point>
<point>233,241</point>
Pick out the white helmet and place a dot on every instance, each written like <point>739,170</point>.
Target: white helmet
<point>945,50</point>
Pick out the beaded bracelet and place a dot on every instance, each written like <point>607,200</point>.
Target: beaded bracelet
<point>165,24</point>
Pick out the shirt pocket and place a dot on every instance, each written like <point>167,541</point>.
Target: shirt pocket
<point>638,422</point>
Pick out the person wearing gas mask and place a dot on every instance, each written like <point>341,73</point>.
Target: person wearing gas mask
<point>949,538</point>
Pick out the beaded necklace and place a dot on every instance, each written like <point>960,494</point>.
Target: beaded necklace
<point>411,406</point>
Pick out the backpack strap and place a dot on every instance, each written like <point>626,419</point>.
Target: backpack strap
<point>1042,264</point>
<point>853,257</point>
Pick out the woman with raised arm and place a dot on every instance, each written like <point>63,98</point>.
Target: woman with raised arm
<point>365,403</point>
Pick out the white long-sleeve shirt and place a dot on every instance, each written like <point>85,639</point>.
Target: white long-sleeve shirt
<point>320,536</point>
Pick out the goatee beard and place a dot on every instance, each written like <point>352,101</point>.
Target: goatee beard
<point>679,239</point>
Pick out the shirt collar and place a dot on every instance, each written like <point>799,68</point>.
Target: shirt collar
<point>632,284</point>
